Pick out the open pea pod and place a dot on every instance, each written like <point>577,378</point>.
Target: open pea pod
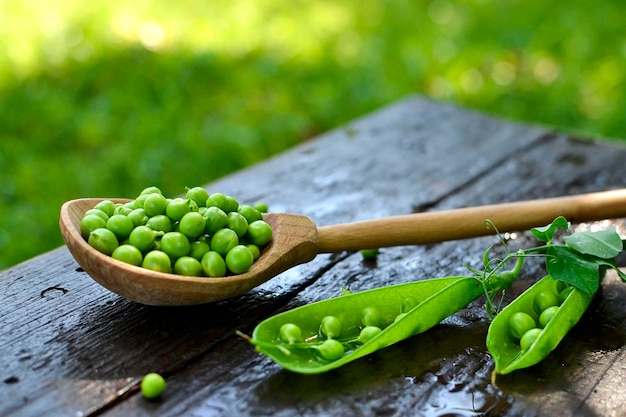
<point>505,348</point>
<point>434,300</point>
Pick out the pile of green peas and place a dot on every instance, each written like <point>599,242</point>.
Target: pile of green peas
<point>334,338</point>
<point>526,327</point>
<point>199,235</point>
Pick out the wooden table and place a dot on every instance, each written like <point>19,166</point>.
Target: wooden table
<point>71,348</point>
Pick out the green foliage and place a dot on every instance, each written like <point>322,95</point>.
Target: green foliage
<point>103,98</point>
<point>583,259</point>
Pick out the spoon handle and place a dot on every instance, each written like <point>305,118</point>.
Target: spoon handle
<point>431,227</point>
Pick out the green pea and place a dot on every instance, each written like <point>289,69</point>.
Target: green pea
<point>224,240</point>
<point>331,349</point>
<point>399,317</point>
<point>175,245</point>
<point>254,250</point>
<point>198,248</point>
<point>218,200</point>
<point>107,206</point>
<point>213,265</point>
<point>370,316</point>
<point>188,266</point>
<point>152,385</point>
<point>129,254</point>
<point>177,208</point>
<point>232,204</point>
<point>408,303</point>
<point>138,217</point>
<point>103,240</point>
<point>547,315</point>
<point>520,323</point>
<point>543,300</point>
<point>98,213</point>
<point>157,260</point>
<point>150,190</point>
<point>239,259</point>
<point>155,204</point>
<point>249,213</point>
<point>91,222</point>
<point>122,209</point>
<point>215,219</point>
<point>369,254</point>
<point>120,225</point>
<point>237,223</point>
<point>561,285</point>
<point>261,206</point>
<point>161,223</point>
<point>368,332</point>
<point>143,238</point>
<point>192,224</point>
<point>529,338</point>
<point>565,293</point>
<point>331,327</point>
<point>290,333</point>
<point>198,195</point>
<point>139,201</point>
<point>259,233</point>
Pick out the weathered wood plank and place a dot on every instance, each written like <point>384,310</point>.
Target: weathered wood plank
<point>446,369</point>
<point>71,348</point>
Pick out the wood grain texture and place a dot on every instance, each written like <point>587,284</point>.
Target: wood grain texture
<point>70,347</point>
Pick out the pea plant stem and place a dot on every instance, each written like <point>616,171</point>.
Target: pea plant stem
<point>422,228</point>
<point>495,282</point>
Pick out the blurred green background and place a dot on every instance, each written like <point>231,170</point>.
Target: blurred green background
<point>103,98</point>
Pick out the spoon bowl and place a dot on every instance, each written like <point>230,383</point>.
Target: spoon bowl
<point>296,240</point>
<point>295,235</point>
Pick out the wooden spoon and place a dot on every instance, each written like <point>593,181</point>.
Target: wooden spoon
<point>298,240</point>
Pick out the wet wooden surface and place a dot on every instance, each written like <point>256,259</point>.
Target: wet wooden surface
<point>71,348</point>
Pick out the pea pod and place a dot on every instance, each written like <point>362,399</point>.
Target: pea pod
<point>505,348</point>
<point>437,299</point>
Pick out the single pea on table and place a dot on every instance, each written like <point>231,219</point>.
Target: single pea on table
<point>152,385</point>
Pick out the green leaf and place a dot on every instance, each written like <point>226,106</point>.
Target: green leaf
<point>605,244</point>
<point>546,233</point>
<point>583,272</point>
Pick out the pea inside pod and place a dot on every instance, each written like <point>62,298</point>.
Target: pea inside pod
<point>504,345</point>
<point>439,298</point>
